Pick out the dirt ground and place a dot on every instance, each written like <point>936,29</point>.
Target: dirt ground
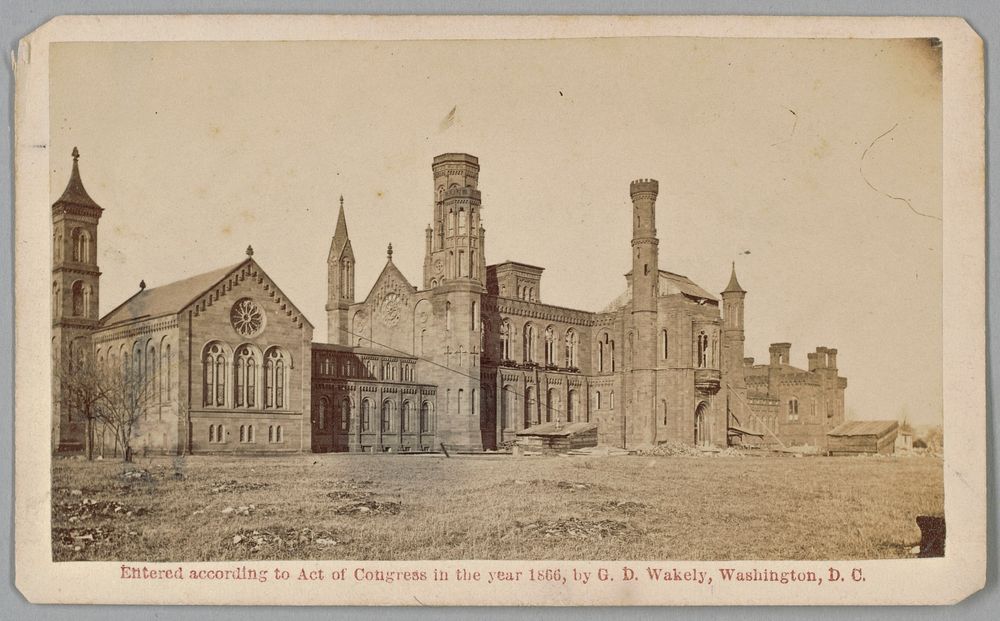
<point>399,507</point>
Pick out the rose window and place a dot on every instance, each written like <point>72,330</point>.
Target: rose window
<point>247,318</point>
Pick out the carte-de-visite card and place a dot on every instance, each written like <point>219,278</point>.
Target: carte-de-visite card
<point>282,336</point>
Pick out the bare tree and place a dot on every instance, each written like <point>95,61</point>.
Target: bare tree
<point>128,395</point>
<point>83,389</point>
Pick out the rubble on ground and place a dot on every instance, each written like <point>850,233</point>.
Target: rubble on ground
<point>627,507</point>
<point>225,487</point>
<point>255,541</point>
<point>670,449</point>
<point>572,528</point>
<point>358,501</point>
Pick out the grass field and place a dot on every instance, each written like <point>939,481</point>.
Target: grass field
<point>396,507</point>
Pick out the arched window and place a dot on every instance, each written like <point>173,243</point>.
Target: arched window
<point>451,222</point>
<point>321,410</point>
<point>550,346</point>
<point>473,317</point>
<point>404,417</point>
<point>245,377</point>
<point>600,356</point>
<point>506,407</point>
<point>280,434</point>
<point>425,417</point>
<point>611,354</point>
<point>463,222</point>
<point>366,415</point>
<point>572,342</point>
<point>461,397</point>
<point>664,344</point>
<point>345,414</point>
<point>386,416</point>
<point>250,434</point>
<point>598,399</point>
<point>447,315</point>
<point>529,342</point>
<point>151,376</point>
<point>551,405</point>
<point>270,433</point>
<point>77,246</point>
<point>243,433</point>
<point>214,375</point>
<point>505,334</point>
<point>78,307</point>
<point>571,406</point>
<point>702,350</point>
<point>274,378</point>
<point>211,433</point>
<point>793,409</point>
<point>529,405</point>
<point>611,400</point>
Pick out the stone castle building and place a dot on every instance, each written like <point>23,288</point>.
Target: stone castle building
<point>468,358</point>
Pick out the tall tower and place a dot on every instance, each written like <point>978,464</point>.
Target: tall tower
<point>455,274</point>
<point>640,426</point>
<point>75,289</point>
<point>733,336</point>
<point>455,240</point>
<point>339,282</point>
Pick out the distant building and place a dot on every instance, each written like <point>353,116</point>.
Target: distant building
<point>863,437</point>
<point>469,358</point>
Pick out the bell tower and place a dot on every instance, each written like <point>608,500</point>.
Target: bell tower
<point>339,282</point>
<point>455,240</point>
<point>733,337</point>
<point>75,289</point>
<point>640,424</point>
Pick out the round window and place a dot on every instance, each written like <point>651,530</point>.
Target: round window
<point>247,318</point>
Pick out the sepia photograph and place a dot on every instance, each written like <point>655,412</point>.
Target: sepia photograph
<point>297,308</point>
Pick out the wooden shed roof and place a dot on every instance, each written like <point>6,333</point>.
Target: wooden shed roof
<point>563,429</point>
<point>864,428</point>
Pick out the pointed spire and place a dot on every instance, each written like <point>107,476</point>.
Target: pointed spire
<point>75,194</point>
<point>340,236</point>
<point>340,245</point>
<point>734,284</point>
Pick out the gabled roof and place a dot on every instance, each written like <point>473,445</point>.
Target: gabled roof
<point>390,271</point>
<point>168,299</point>
<point>173,298</point>
<point>670,284</point>
<point>75,193</point>
<point>864,428</point>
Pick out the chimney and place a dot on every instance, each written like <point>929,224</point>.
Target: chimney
<point>780,353</point>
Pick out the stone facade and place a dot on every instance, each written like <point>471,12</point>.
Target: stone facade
<point>468,359</point>
<point>224,358</point>
<point>662,362</point>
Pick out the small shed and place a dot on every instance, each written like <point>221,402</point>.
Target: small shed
<point>859,437</point>
<point>551,438</point>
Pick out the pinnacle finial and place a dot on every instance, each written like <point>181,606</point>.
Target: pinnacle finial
<point>249,251</point>
<point>76,154</point>
<point>341,201</point>
<point>388,252</point>
<point>142,285</point>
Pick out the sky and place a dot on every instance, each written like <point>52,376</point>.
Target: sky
<point>814,164</point>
